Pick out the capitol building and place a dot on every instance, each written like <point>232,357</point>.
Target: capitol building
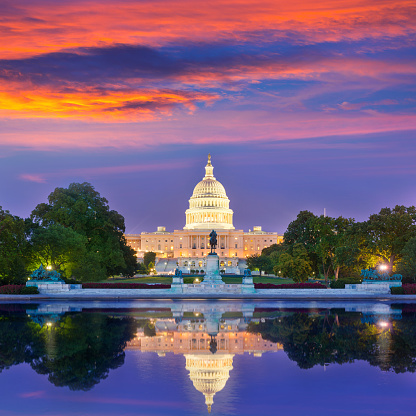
<point>209,209</point>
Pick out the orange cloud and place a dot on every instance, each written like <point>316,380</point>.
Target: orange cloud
<point>31,28</point>
<point>27,100</point>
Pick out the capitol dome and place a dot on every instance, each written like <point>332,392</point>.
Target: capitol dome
<point>209,204</point>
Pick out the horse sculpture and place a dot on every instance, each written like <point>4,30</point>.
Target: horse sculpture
<point>372,274</point>
<point>47,275</point>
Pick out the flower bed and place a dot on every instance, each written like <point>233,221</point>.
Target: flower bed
<point>290,286</point>
<point>123,286</point>
<point>18,290</point>
<point>409,289</point>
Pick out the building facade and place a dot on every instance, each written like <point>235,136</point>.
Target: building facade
<point>209,209</point>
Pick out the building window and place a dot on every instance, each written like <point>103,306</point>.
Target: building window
<point>201,263</point>
<point>158,246</point>
<point>185,263</point>
<point>194,246</point>
<point>236,245</point>
<point>180,245</point>
<point>202,245</point>
<point>222,264</point>
<point>235,254</point>
<point>229,263</point>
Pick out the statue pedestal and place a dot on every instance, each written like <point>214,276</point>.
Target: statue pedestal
<point>212,275</point>
<point>247,284</point>
<point>177,284</point>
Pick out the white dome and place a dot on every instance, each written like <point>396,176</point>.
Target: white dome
<point>209,206</point>
<point>209,188</point>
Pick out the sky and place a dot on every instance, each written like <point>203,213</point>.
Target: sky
<point>303,105</point>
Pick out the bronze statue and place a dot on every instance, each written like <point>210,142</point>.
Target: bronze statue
<point>213,241</point>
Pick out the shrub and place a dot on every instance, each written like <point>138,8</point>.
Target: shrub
<point>18,290</point>
<point>123,286</point>
<point>340,283</point>
<point>303,285</point>
<point>190,280</point>
<point>70,281</point>
<point>397,290</point>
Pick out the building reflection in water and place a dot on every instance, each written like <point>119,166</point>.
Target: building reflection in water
<point>208,344</point>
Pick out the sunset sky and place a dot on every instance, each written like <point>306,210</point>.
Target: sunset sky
<point>302,104</point>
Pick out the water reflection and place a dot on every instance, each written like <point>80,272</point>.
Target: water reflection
<point>77,346</point>
<point>208,342</point>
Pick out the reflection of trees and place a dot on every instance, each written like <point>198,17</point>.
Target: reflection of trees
<point>20,340</point>
<point>78,351</point>
<point>339,337</point>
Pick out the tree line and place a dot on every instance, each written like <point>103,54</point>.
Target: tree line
<point>322,246</point>
<point>75,233</point>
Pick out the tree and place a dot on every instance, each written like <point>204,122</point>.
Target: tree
<point>331,242</point>
<point>388,232</point>
<point>260,263</point>
<point>149,257</point>
<point>59,247</point>
<point>151,267</point>
<point>82,208</point>
<point>302,231</point>
<point>295,265</point>
<point>407,265</point>
<point>13,248</point>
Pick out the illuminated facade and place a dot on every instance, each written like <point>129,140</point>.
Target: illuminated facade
<point>209,209</point>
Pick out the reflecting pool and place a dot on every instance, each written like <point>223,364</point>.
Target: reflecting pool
<point>200,357</point>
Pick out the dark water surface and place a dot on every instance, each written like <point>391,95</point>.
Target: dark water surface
<point>189,358</point>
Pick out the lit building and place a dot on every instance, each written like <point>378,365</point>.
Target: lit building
<point>209,209</point>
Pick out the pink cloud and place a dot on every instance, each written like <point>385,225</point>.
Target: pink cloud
<point>38,178</point>
<point>33,394</point>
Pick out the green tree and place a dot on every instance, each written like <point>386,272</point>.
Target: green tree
<point>149,257</point>
<point>13,248</point>
<point>302,231</point>
<point>82,208</point>
<point>260,263</point>
<point>387,233</point>
<point>332,244</point>
<point>295,264</point>
<point>407,265</point>
<point>57,246</point>
<point>151,268</point>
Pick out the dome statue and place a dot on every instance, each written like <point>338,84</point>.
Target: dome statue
<point>209,373</point>
<point>209,206</point>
